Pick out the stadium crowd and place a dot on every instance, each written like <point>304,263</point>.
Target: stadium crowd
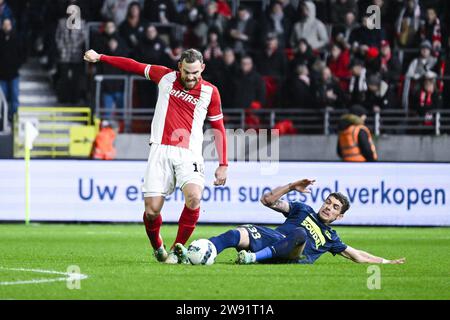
<point>288,54</point>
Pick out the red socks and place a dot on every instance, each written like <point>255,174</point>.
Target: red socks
<point>152,228</point>
<point>186,224</point>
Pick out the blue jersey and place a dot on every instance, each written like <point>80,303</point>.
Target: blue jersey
<point>321,238</point>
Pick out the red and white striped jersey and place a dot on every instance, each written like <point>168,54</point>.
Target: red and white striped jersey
<point>180,114</point>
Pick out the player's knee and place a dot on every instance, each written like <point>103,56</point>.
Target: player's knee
<point>244,241</point>
<point>299,235</point>
<point>193,200</point>
<point>152,211</point>
<point>151,215</point>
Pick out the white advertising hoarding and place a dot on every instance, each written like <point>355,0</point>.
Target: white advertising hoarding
<point>76,190</point>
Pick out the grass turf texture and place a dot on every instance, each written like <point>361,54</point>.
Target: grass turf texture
<point>118,261</point>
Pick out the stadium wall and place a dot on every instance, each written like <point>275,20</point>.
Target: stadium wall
<point>398,194</point>
<point>299,148</point>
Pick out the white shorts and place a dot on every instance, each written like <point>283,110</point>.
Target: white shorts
<point>169,167</point>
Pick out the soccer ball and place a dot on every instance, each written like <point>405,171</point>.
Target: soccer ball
<point>202,251</point>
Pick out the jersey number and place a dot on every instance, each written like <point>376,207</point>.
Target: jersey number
<point>254,233</point>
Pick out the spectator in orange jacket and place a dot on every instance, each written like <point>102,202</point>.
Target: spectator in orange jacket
<point>104,142</point>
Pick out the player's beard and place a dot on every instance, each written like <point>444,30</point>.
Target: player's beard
<point>189,84</point>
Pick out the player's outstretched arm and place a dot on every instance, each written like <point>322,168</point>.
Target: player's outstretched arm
<point>360,256</point>
<point>125,64</point>
<point>272,199</point>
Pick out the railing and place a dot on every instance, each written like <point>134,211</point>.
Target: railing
<point>4,114</point>
<point>306,121</point>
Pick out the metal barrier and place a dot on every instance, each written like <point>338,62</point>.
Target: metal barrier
<point>54,124</point>
<point>307,121</point>
<point>4,114</point>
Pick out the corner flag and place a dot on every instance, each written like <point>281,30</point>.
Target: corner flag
<point>31,134</point>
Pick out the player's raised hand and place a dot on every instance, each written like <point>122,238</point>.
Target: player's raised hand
<point>91,56</point>
<point>221,176</point>
<point>301,185</point>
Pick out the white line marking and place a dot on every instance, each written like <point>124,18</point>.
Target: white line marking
<point>67,276</point>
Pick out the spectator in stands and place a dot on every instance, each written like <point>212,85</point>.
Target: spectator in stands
<point>70,48</point>
<point>328,91</point>
<point>241,31</point>
<point>446,88</point>
<point>213,19</point>
<point>424,63</point>
<point>113,90</point>
<point>101,41</point>
<point>358,86</point>
<point>431,29</point>
<point>288,10</point>
<point>161,11</point>
<point>271,64</point>
<point>173,55</point>
<point>248,85</point>
<point>339,10</point>
<point>339,63</point>
<point>11,58</point>
<point>6,13</point>
<point>303,54</point>
<point>408,24</point>
<point>427,99</point>
<point>209,21</point>
<point>151,48</point>
<point>228,70</point>
<point>390,67</point>
<point>363,38</point>
<point>192,19</point>
<point>355,140</point>
<point>299,93</point>
<point>343,31</point>
<point>379,95</point>
<point>212,55</point>
<point>373,60</point>
<point>309,28</point>
<point>133,27</point>
<point>115,10</point>
<point>278,23</point>
<point>103,147</point>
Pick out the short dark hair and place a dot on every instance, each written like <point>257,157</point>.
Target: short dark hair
<point>342,199</point>
<point>191,55</point>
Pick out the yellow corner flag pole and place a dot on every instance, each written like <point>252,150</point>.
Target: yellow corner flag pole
<point>30,135</point>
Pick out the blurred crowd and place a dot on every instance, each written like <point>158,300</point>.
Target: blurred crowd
<point>286,54</point>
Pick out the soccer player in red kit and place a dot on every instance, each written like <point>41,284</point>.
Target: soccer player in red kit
<point>175,159</point>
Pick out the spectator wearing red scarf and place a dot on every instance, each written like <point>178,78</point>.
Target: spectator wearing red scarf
<point>427,99</point>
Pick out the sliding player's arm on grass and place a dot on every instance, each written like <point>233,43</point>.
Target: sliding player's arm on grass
<point>272,199</point>
<point>360,256</point>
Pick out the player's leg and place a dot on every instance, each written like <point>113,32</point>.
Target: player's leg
<point>258,238</point>
<point>288,248</point>
<point>235,238</point>
<point>158,182</point>
<point>191,212</point>
<point>153,221</point>
<point>190,178</point>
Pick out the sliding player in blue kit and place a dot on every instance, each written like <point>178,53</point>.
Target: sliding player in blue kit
<point>303,237</point>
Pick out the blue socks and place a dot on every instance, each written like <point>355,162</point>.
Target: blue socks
<point>264,254</point>
<point>229,239</point>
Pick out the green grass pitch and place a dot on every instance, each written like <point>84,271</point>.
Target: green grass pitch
<point>118,262</point>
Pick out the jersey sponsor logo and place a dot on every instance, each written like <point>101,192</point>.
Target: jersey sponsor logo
<point>314,231</point>
<point>180,94</point>
<point>328,234</point>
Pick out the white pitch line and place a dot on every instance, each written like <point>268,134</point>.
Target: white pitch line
<point>68,276</point>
